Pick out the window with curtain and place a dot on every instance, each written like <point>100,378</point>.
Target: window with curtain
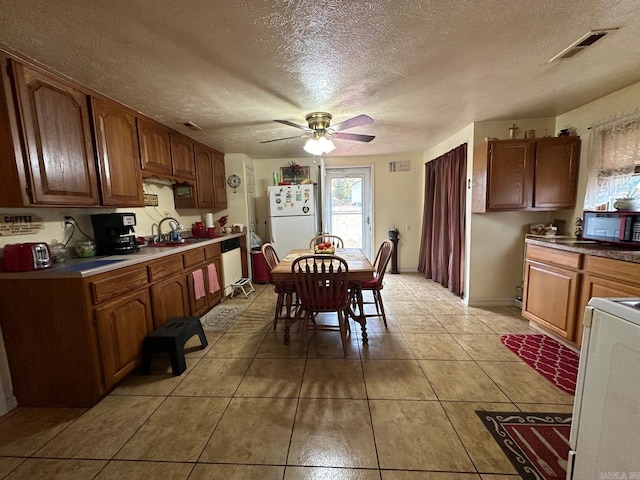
<point>614,163</point>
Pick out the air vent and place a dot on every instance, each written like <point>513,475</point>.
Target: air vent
<point>191,126</point>
<point>583,42</point>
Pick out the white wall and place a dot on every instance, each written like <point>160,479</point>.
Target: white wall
<point>579,120</point>
<point>496,249</point>
<point>397,197</point>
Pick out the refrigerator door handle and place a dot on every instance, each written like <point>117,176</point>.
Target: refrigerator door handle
<point>571,461</point>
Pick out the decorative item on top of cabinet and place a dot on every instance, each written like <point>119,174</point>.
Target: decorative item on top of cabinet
<point>118,154</point>
<point>59,158</point>
<point>531,174</point>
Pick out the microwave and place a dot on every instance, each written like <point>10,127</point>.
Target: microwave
<point>619,228</point>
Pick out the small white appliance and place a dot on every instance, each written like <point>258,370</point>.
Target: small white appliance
<point>292,217</point>
<point>606,411</point>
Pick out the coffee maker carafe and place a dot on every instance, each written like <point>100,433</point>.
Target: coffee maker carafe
<point>114,233</point>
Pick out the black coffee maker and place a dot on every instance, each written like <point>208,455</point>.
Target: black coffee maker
<point>114,233</point>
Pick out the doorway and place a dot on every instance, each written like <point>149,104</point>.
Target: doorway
<point>348,206</point>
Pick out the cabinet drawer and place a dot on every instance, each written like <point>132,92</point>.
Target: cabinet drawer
<point>193,257</point>
<point>628,272</point>
<point>212,251</point>
<point>165,268</point>
<point>112,284</point>
<point>554,256</point>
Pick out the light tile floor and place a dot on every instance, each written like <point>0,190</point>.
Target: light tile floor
<point>249,407</point>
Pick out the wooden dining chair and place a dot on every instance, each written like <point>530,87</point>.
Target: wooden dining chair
<point>322,285</point>
<point>375,285</point>
<point>287,301</point>
<point>335,241</point>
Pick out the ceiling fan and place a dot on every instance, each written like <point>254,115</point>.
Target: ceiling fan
<point>320,131</point>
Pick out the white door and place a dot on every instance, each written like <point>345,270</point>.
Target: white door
<point>348,206</point>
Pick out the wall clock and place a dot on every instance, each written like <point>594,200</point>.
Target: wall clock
<point>234,182</point>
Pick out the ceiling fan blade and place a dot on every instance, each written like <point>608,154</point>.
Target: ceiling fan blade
<point>285,138</point>
<point>294,125</point>
<point>354,136</point>
<point>352,122</point>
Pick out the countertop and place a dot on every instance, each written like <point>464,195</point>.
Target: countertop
<point>86,267</point>
<point>587,247</point>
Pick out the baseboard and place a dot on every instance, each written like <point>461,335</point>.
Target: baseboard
<point>491,302</point>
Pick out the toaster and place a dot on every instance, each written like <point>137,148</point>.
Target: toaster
<point>25,257</point>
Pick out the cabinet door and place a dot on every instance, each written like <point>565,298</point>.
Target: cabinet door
<point>204,172</point>
<point>198,306</point>
<point>122,326</point>
<point>118,154</point>
<point>182,157</point>
<point>219,181</point>
<point>556,172</point>
<point>59,148</point>
<point>593,286</point>
<point>510,175</point>
<point>155,147</point>
<point>170,299</point>
<point>550,297</point>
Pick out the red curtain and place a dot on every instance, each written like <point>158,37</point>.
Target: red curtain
<point>442,245</point>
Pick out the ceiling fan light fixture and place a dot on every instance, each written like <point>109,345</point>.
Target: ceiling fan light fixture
<point>319,146</point>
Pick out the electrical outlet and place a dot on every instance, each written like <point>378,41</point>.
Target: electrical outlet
<point>66,220</point>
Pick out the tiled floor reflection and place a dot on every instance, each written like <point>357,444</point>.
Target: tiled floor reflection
<point>249,407</point>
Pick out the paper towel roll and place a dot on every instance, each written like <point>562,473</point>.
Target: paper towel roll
<point>208,220</point>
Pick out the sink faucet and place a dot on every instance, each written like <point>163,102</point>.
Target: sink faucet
<point>175,229</point>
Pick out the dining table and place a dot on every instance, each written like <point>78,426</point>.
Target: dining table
<point>360,270</point>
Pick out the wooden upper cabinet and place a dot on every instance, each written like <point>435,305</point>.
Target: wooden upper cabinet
<point>182,157</point>
<point>219,181</point>
<point>205,195</point>
<point>510,175</point>
<point>556,172</point>
<point>118,154</point>
<point>57,137</point>
<point>155,148</point>
<point>534,174</point>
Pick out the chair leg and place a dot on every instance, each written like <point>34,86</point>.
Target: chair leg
<point>278,311</point>
<point>378,298</point>
<point>342,319</point>
<point>303,331</point>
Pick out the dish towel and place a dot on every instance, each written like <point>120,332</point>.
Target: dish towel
<point>214,286</point>
<point>198,284</point>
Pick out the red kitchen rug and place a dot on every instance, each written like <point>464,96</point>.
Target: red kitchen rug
<point>553,361</point>
<point>537,444</point>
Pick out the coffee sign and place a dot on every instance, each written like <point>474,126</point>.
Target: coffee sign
<point>19,224</point>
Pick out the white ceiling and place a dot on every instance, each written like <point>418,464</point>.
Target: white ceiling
<point>422,69</point>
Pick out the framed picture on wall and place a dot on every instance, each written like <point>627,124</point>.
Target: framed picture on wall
<point>295,174</point>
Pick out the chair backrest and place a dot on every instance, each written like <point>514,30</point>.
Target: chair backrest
<point>322,282</point>
<point>382,260</point>
<point>335,240</point>
<point>270,255</point>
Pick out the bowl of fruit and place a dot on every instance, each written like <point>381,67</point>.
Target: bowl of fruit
<point>325,247</point>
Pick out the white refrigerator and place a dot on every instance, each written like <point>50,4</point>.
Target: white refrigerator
<point>606,411</point>
<point>292,217</point>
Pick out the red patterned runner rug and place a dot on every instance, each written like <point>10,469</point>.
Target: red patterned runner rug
<point>537,444</point>
<point>553,361</point>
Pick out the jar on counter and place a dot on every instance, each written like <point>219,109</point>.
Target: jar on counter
<point>58,251</point>
<point>85,248</point>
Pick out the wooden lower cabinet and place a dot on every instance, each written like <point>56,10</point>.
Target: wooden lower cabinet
<point>551,297</point>
<point>170,298</point>
<point>122,325</point>
<point>559,284</point>
<point>69,341</point>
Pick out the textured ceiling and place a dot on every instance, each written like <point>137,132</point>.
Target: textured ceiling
<point>422,69</point>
